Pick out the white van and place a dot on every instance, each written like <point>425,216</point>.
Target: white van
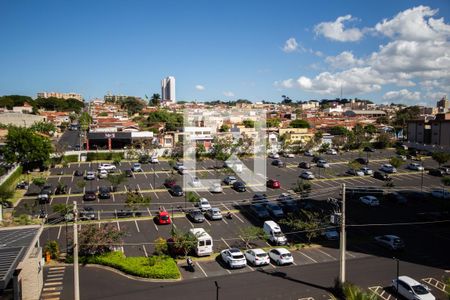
<point>204,242</point>
<point>273,231</point>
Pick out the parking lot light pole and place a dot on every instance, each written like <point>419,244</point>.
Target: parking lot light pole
<point>342,246</point>
<point>76,278</point>
<point>398,274</point>
<point>217,290</point>
<point>171,207</point>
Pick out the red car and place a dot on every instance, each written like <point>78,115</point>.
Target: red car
<point>273,184</point>
<point>163,218</point>
<point>168,183</point>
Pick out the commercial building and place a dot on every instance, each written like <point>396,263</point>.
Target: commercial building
<point>60,95</point>
<point>443,105</point>
<point>168,89</point>
<point>430,132</point>
<point>20,119</point>
<point>117,140</point>
<point>21,264</point>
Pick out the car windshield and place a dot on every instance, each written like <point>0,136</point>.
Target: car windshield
<point>419,289</point>
<point>278,234</point>
<point>165,217</point>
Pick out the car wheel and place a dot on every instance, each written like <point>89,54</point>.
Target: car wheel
<point>278,263</point>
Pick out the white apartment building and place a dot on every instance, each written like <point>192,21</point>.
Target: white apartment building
<point>168,89</point>
<point>60,95</point>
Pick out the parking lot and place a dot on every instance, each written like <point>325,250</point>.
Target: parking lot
<point>141,232</point>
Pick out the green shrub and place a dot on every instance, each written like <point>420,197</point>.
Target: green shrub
<point>156,267</point>
<point>71,158</point>
<point>52,247</point>
<point>104,155</point>
<point>11,182</point>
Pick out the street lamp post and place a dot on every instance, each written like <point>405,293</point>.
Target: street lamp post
<point>398,274</point>
<point>171,207</point>
<point>421,179</point>
<point>217,290</point>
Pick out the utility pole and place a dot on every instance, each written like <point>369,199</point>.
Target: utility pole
<point>342,246</point>
<point>76,278</point>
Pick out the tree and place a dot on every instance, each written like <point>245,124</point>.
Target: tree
<point>43,127</point>
<point>132,105</point>
<point>384,140</point>
<point>161,247</point>
<point>273,122</point>
<point>370,129</point>
<point>85,120</point>
<point>249,123</point>
<point>382,120</point>
<point>25,146</point>
<point>441,157</point>
<point>200,151</point>
<point>301,187</point>
<point>116,179</point>
<point>446,180</point>
<point>155,100</point>
<point>352,292</point>
<point>299,124</point>
<point>338,141</point>
<point>94,240</point>
<point>62,208</point>
<point>135,201</point>
<point>183,242</point>
<point>224,128</point>
<point>251,233</point>
<point>396,162</point>
<point>307,221</point>
<point>39,181</point>
<point>339,130</point>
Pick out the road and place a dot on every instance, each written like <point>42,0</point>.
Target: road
<point>70,138</point>
<point>294,282</point>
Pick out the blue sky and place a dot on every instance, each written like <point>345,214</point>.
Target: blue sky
<point>229,49</point>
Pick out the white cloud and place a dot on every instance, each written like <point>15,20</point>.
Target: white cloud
<point>336,30</point>
<point>414,24</point>
<point>228,94</point>
<point>290,45</point>
<point>402,95</point>
<point>287,84</point>
<point>344,60</point>
<point>304,82</point>
<point>200,87</point>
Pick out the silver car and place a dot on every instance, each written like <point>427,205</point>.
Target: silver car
<point>214,214</point>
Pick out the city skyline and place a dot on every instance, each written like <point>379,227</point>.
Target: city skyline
<point>386,53</point>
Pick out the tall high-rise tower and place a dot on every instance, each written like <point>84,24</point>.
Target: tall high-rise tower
<point>168,89</point>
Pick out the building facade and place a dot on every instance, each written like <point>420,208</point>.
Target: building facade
<point>432,132</point>
<point>168,89</point>
<point>60,95</point>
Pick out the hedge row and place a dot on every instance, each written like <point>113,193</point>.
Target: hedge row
<point>156,267</point>
<point>104,156</point>
<point>71,158</point>
<point>10,183</point>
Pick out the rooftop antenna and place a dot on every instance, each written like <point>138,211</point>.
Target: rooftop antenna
<point>341,93</point>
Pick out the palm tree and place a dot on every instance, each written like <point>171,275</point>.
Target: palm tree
<point>155,100</point>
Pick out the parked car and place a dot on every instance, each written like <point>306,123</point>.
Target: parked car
<point>304,165</point>
<point>195,182</point>
<point>362,161</point>
<point>176,191</point>
<point>273,184</point>
<point>102,174</point>
<point>436,172</point>
<point>332,152</point>
<point>216,188</point>
<point>307,175</point>
<point>367,171</point>
<point>233,258</point>
<point>330,234</point>
<point>177,165</point>
<point>128,213</point>
<point>322,164</point>
<point>143,159</point>
<point>203,204</point>
<point>274,155</point>
<point>278,163</point>
<point>390,241</point>
<point>370,200</point>
<point>108,167</point>
<point>308,153</point>
<point>163,218</point>
<point>397,197</point>
<point>196,216</point>
<point>239,186</point>
<point>402,157</point>
<point>168,183</point>
<point>288,155</point>
<point>214,214</point>
<point>382,176</point>
<point>90,175</point>
<point>281,256</point>
<point>316,159</point>
<point>288,203</point>
<point>368,149</point>
<point>355,172</point>
<point>445,169</point>
<point>441,194</point>
<point>388,168</point>
<point>260,198</point>
<point>182,170</point>
<point>90,196</point>
<point>128,173</point>
<point>104,192</point>
<point>154,160</point>
<point>415,167</point>
<point>257,257</point>
<point>23,185</point>
<point>137,167</point>
<point>411,289</point>
<point>275,210</point>
<point>260,211</point>
<point>87,213</point>
<point>229,180</point>
<point>78,173</point>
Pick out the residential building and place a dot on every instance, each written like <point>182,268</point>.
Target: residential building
<point>168,90</point>
<point>365,113</point>
<point>443,105</point>
<point>117,98</point>
<point>21,271</point>
<point>25,108</point>
<point>20,119</point>
<point>60,95</point>
<point>430,132</point>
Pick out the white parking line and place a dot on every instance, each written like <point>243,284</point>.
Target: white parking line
<point>225,242</point>
<point>312,259</point>
<point>118,225</point>
<point>380,292</point>
<point>59,232</point>
<point>137,226</point>
<point>145,251</point>
<point>149,212</point>
<point>98,213</point>
<point>113,198</point>
<point>436,283</point>
<point>201,269</point>
<point>145,175</point>
<point>223,219</point>
<point>323,252</point>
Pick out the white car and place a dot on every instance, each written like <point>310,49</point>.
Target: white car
<point>392,242</point>
<point>177,165</point>
<point>370,200</point>
<point>308,153</point>
<point>441,194</point>
<point>203,204</point>
<point>331,152</point>
<point>415,167</point>
<point>322,163</point>
<point>307,175</point>
<point>281,256</point>
<point>195,182</point>
<point>355,172</point>
<point>233,258</point>
<point>136,167</point>
<point>107,167</point>
<point>274,155</point>
<point>214,214</point>
<point>288,155</point>
<point>367,171</point>
<point>90,175</point>
<point>411,289</point>
<point>388,168</point>
<point>182,170</point>
<point>257,257</point>
<point>229,180</point>
<point>154,160</point>
<point>216,188</point>
<point>102,174</point>
<point>402,157</point>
